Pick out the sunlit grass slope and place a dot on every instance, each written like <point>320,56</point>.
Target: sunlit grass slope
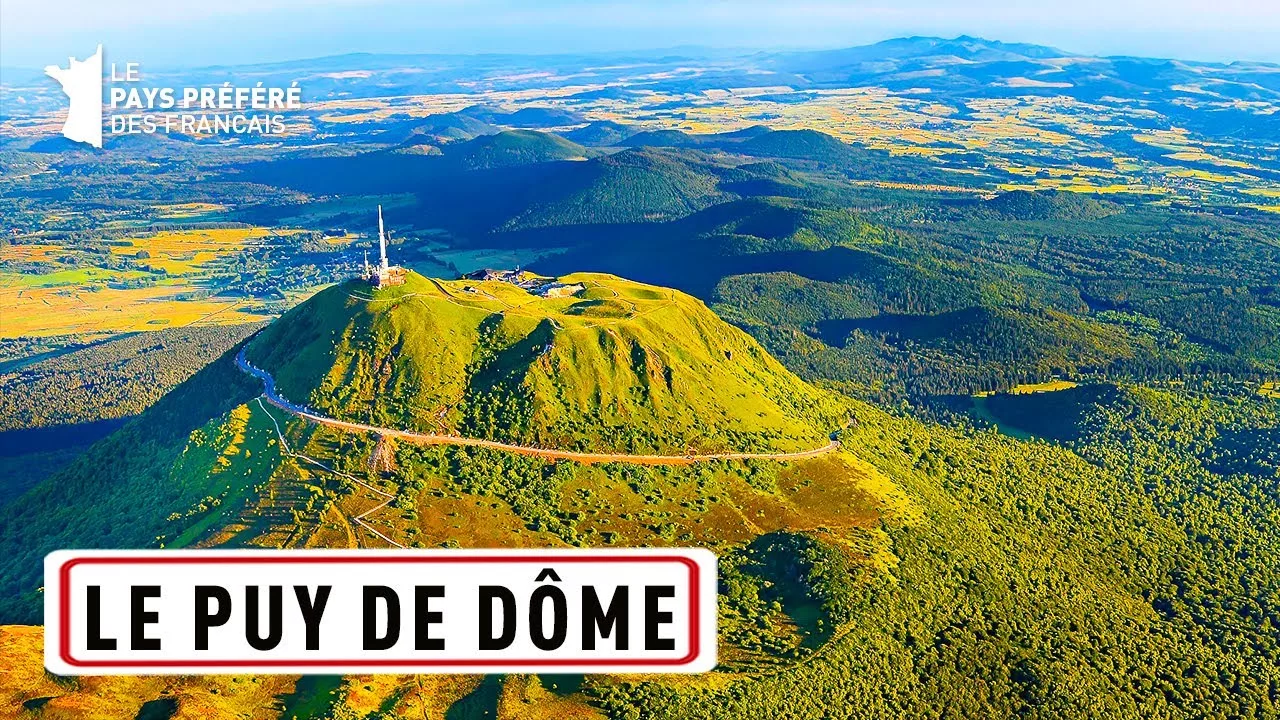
<point>618,365</point>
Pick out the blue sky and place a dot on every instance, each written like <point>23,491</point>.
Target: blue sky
<point>34,33</point>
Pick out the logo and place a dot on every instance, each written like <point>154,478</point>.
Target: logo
<point>81,80</point>
<point>139,107</point>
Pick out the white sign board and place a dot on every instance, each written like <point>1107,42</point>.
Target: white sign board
<point>363,611</point>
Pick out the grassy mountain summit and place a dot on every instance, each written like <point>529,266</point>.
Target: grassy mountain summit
<point>616,365</point>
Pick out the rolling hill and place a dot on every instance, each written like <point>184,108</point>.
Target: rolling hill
<point>512,180</point>
<point>513,147</point>
<point>990,67</point>
<point>630,186</point>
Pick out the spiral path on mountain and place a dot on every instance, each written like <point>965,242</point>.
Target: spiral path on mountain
<point>273,397</point>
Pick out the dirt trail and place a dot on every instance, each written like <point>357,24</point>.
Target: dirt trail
<point>544,453</point>
<point>360,519</point>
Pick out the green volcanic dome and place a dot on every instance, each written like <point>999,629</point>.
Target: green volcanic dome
<point>589,362</point>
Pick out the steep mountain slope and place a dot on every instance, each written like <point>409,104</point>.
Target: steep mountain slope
<point>600,133</point>
<point>1115,573</point>
<point>513,180</point>
<point>53,406</point>
<point>618,366</point>
<point>175,456</point>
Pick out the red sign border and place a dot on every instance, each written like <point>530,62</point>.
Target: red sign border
<point>64,612</point>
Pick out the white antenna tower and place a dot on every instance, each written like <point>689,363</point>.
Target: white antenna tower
<point>382,243</point>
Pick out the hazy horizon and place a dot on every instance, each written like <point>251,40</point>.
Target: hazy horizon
<point>691,49</point>
<point>240,32</point>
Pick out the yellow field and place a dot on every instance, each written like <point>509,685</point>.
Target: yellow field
<point>73,296</point>
<point>1201,156</point>
<point>184,252</point>
<point>908,121</point>
<point>30,253</point>
<point>186,210</point>
<point>924,187</point>
<point>45,311</point>
<point>1050,386</point>
<point>1033,388</point>
<point>1176,140</point>
<point>1080,187</point>
<point>901,122</point>
<point>244,697</point>
<point>1202,175</point>
<point>81,300</point>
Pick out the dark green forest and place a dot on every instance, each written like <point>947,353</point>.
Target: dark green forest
<point>1130,572</point>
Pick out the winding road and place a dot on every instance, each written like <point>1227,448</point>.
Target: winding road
<point>274,397</point>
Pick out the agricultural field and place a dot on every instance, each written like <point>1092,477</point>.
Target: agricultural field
<point>95,311</point>
<point>168,279</point>
<point>1033,128</point>
<point>1025,142</point>
<point>189,210</point>
<point>188,252</point>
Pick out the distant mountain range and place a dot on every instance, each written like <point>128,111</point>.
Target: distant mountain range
<point>966,66</point>
<point>973,65</point>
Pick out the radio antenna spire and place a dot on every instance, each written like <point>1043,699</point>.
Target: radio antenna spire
<point>382,243</point>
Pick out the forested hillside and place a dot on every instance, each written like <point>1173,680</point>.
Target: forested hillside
<point>1128,574</point>
<point>874,584</point>
<point>113,379</point>
<point>910,300</point>
<point>53,406</point>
